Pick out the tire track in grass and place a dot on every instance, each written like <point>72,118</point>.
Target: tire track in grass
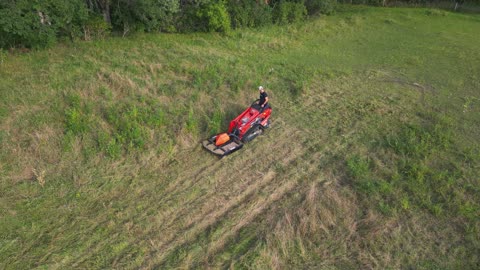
<point>182,181</point>
<point>206,219</point>
<point>192,217</point>
<point>190,229</point>
<point>190,208</point>
<point>212,169</point>
<point>255,209</point>
<point>248,212</point>
<point>199,181</point>
<point>229,191</point>
<point>181,238</point>
<point>185,213</point>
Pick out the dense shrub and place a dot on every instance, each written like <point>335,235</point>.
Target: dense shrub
<point>20,26</point>
<point>144,15</point>
<point>320,6</point>
<point>67,17</point>
<point>27,24</point>
<point>204,16</point>
<point>35,24</point>
<point>158,14</point>
<point>214,17</point>
<point>289,12</point>
<point>263,15</point>
<point>96,28</point>
<point>248,13</point>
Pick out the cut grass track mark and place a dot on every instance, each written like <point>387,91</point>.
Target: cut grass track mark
<point>230,185</point>
<point>250,211</point>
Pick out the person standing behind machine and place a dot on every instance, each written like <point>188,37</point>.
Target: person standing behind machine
<point>263,100</point>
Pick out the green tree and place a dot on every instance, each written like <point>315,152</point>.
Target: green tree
<point>288,12</point>
<point>67,17</point>
<point>249,13</point>
<point>101,7</point>
<point>144,15</point>
<point>157,14</point>
<point>204,15</point>
<point>214,16</point>
<point>320,6</point>
<point>36,24</point>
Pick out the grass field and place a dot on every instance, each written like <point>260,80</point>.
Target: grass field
<point>372,160</point>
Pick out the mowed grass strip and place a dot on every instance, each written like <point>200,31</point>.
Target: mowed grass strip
<point>372,159</point>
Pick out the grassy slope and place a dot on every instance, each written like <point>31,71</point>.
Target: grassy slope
<point>372,159</point>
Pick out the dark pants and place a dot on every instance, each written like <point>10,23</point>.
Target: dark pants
<point>266,106</point>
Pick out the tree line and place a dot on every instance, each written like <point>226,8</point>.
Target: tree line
<point>41,23</point>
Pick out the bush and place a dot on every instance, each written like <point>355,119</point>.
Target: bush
<point>34,25</point>
<point>157,15</point>
<point>214,17</point>
<point>96,28</point>
<point>20,26</point>
<point>263,15</point>
<point>289,12</point>
<point>144,15</point>
<point>67,17</point>
<point>248,13</point>
<point>320,6</point>
<point>204,16</point>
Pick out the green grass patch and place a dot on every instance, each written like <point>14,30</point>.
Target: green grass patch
<point>426,174</point>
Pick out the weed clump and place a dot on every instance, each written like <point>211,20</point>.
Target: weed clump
<point>215,121</point>
<point>123,126</point>
<point>76,121</point>
<point>435,12</point>
<point>76,118</point>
